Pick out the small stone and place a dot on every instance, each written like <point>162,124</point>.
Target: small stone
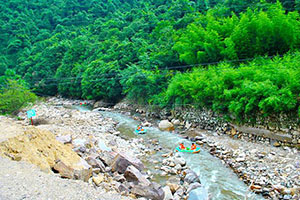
<point>168,193</point>
<point>172,164</point>
<point>276,144</point>
<point>98,179</point>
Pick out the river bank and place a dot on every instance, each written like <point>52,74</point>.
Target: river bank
<point>272,172</point>
<point>267,169</point>
<point>111,164</point>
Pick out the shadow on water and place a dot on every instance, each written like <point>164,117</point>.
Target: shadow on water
<point>218,180</point>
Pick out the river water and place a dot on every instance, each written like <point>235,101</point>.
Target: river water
<point>218,180</point>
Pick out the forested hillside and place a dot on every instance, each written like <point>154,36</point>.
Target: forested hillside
<point>145,50</point>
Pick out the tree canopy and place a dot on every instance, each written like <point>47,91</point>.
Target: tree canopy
<point>111,49</point>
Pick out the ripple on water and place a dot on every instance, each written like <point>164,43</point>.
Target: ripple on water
<point>220,182</point>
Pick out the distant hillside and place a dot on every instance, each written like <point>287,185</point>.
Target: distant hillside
<point>110,49</point>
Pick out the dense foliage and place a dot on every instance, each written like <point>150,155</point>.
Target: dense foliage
<point>111,49</point>
<point>263,86</point>
<point>15,96</point>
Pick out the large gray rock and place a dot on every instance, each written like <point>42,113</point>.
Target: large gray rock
<point>122,161</point>
<point>95,163</point>
<point>99,104</point>
<point>179,160</point>
<point>107,157</point>
<point>193,186</point>
<point>123,189</point>
<point>165,125</point>
<point>191,176</point>
<point>153,191</point>
<point>132,174</point>
<point>79,171</point>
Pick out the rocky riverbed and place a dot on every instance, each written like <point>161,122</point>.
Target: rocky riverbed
<point>118,166</point>
<point>106,161</point>
<point>267,168</point>
<point>270,171</point>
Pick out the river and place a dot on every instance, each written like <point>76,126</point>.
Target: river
<point>219,181</point>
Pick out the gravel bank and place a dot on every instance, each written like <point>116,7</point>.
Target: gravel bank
<point>20,180</point>
<point>273,172</point>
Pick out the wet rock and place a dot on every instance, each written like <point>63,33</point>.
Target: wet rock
<point>165,125</point>
<point>199,138</point>
<point>190,176</point>
<point>132,174</point>
<point>188,125</point>
<point>172,164</point>
<point>146,124</point>
<point>180,160</point>
<point>122,161</point>
<point>193,186</point>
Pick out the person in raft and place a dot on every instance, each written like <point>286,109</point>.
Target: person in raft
<point>139,128</point>
<point>193,147</point>
<point>181,146</point>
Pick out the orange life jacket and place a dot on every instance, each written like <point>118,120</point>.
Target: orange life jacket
<point>193,147</point>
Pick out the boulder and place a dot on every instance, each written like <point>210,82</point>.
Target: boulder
<point>193,186</point>
<point>180,160</point>
<point>95,163</point>
<point>100,104</point>
<point>153,191</point>
<point>79,171</point>
<point>176,122</point>
<point>122,161</point>
<point>168,193</point>
<point>123,189</point>
<point>107,157</point>
<point>119,178</point>
<point>190,176</point>
<point>173,184</point>
<point>173,187</point>
<point>132,174</point>
<point>165,125</point>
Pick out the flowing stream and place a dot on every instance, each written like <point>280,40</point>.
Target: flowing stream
<point>219,181</point>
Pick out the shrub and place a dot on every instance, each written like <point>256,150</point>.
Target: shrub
<point>15,96</point>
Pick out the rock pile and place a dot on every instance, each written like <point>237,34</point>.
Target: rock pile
<point>269,171</point>
<point>113,161</point>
